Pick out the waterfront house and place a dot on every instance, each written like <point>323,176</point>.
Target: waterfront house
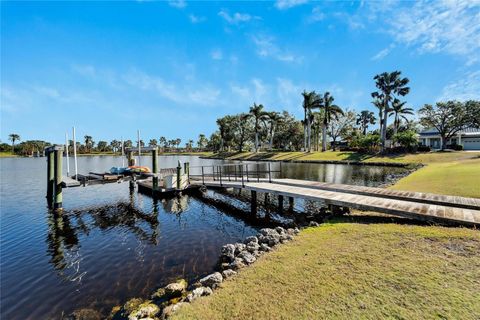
<point>469,138</point>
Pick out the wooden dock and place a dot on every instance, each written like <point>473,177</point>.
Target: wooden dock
<point>423,206</point>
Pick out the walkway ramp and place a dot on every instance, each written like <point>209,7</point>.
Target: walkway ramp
<point>370,200</point>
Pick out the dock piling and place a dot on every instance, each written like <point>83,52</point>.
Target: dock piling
<point>291,203</point>
<point>254,202</point>
<point>280,203</point>
<point>179,175</point>
<point>58,159</point>
<point>155,168</point>
<point>50,176</point>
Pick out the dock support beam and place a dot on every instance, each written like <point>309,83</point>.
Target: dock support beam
<point>58,179</point>
<point>291,203</point>
<point>50,177</point>
<point>186,170</point>
<point>280,203</point>
<point>155,168</point>
<point>254,203</point>
<point>179,175</point>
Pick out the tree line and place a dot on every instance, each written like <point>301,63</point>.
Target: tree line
<point>261,129</point>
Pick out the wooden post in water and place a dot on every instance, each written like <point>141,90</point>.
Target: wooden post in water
<point>179,176</point>
<point>254,203</point>
<point>50,175</point>
<point>291,203</point>
<point>155,168</point>
<point>280,203</point>
<point>58,199</point>
<point>131,160</point>
<point>186,170</point>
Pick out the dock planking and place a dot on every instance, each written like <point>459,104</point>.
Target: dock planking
<point>427,207</point>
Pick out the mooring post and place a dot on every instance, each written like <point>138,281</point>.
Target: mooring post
<point>179,176</point>
<point>131,160</point>
<point>155,168</point>
<point>267,199</point>
<point>57,205</point>
<point>280,203</point>
<point>254,203</point>
<point>186,170</point>
<point>291,203</point>
<point>50,175</point>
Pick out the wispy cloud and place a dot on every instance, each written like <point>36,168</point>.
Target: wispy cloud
<point>180,4</point>
<point>316,15</point>
<point>439,26</point>
<point>237,17</point>
<point>383,53</point>
<point>266,47</point>
<point>287,4</point>
<point>465,88</point>
<point>196,19</point>
<point>216,54</point>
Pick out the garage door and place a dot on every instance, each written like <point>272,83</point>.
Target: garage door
<point>471,143</point>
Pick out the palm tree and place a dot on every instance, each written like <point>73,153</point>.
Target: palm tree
<point>177,142</point>
<point>163,142</point>
<point>202,141</point>
<point>400,113</point>
<point>330,111</point>
<point>189,144</point>
<point>274,119</point>
<point>258,114</point>
<point>88,142</point>
<point>389,85</point>
<point>153,143</point>
<point>13,137</point>
<point>365,118</point>
<point>311,100</point>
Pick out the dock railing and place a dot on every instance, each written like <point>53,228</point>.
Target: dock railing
<point>244,172</point>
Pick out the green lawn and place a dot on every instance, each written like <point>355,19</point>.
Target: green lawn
<point>356,271</point>
<point>429,157</point>
<point>7,154</point>
<point>364,266</point>
<point>458,178</point>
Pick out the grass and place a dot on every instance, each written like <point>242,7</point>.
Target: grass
<point>365,267</point>
<point>430,157</point>
<point>457,178</point>
<point>7,154</point>
<point>356,271</point>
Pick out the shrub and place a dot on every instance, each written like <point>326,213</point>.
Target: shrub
<point>407,139</point>
<point>457,147</point>
<point>369,143</point>
<point>424,148</point>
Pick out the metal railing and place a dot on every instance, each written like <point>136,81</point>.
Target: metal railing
<point>244,172</point>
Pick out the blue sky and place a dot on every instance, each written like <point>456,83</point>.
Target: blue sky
<point>172,68</point>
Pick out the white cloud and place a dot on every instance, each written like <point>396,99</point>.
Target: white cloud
<point>439,26</point>
<point>383,53</point>
<point>180,4</point>
<point>237,17</point>
<point>196,19</point>
<point>287,4</point>
<point>317,15</point>
<point>266,47</point>
<point>465,88</point>
<point>216,54</point>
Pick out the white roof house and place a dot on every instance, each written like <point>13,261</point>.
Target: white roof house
<point>469,138</point>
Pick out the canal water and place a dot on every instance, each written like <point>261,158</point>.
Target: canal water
<point>112,244</point>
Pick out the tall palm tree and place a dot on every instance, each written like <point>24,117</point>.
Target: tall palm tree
<point>330,111</point>
<point>162,142</point>
<point>202,141</point>
<point>311,100</point>
<point>258,115</point>
<point>400,113</point>
<point>88,142</point>
<point>379,105</point>
<point>274,119</point>
<point>389,85</point>
<point>13,137</point>
<point>365,118</point>
<point>153,143</point>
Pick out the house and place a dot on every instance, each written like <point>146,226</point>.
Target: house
<point>469,138</point>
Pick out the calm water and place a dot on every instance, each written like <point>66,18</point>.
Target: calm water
<point>112,244</point>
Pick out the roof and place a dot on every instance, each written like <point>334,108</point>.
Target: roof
<point>466,131</point>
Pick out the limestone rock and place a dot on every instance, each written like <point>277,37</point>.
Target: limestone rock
<point>237,264</point>
<point>171,309</point>
<point>247,257</point>
<point>252,247</point>
<point>313,224</point>
<point>176,289</point>
<point>198,292</point>
<point>85,314</point>
<point>251,239</point>
<point>264,247</point>
<point>239,247</point>
<point>280,230</point>
<point>212,280</point>
<point>228,252</point>
<point>228,273</point>
<point>138,311</point>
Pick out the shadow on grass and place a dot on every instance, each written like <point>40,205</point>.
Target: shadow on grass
<point>374,219</point>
